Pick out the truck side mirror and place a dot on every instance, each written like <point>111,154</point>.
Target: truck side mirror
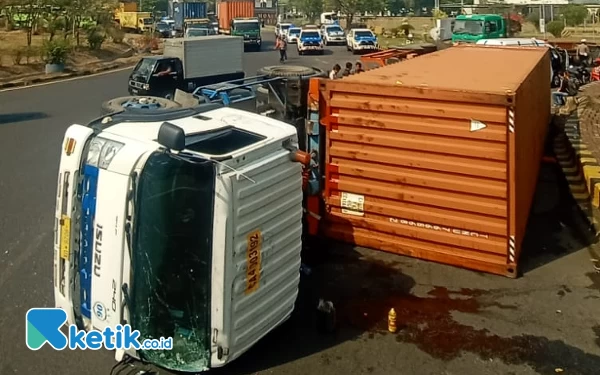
<point>171,136</point>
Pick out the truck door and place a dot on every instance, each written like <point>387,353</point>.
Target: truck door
<point>492,29</point>
<point>166,78</point>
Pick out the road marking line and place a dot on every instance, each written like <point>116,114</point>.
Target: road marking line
<point>66,80</point>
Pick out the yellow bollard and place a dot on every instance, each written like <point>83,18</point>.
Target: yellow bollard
<point>392,321</point>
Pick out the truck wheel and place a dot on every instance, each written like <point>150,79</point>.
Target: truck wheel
<point>288,71</point>
<point>392,60</point>
<point>138,102</point>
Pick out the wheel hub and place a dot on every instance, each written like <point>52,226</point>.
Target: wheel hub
<point>142,103</point>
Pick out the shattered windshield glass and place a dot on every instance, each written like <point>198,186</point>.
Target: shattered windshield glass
<point>171,260</point>
<point>144,68</point>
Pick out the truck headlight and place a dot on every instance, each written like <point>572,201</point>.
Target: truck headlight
<point>146,86</point>
<point>102,152</point>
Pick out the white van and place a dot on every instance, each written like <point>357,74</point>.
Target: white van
<point>559,59</point>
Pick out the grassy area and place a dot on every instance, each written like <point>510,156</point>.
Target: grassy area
<point>17,59</point>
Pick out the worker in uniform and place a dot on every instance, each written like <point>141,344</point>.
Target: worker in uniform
<point>583,52</point>
<point>281,45</point>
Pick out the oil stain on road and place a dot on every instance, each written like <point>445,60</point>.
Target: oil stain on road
<point>427,322</point>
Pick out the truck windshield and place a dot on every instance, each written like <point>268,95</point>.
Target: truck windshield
<point>197,32</point>
<point>246,26</point>
<point>161,26</point>
<point>144,68</point>
<point>334,29</point>
<point>171,256</point>
<point>471,27</point>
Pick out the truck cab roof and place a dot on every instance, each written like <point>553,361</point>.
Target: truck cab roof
<point>235,128</point>
<point>513,42</point>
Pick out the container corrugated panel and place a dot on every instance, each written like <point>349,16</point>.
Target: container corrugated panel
<point>228,10</point>
<point>194,10</point>
<point>437,163</point>
<point>200,58</point>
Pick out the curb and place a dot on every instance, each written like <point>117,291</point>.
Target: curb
<point>79,73</point>
<point>582,172</point>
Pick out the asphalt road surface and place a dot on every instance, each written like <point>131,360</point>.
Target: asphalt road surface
<point>451,321</point>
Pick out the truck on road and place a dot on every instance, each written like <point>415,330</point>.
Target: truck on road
<point>134,21</point>
<point>227,11</point>
<point>185,12</point>
<point>473,27</point>
<point>188,63</point>
<point>249,29</point>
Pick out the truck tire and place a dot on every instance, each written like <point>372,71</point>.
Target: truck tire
<point>392,60</point>
<point>288,71</point>
<point>116,104</point>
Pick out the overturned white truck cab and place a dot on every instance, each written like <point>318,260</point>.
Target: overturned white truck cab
<point>184,223</point>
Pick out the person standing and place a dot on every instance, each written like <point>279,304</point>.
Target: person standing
<point>348,69</point>
<point>358,68</point>
<point>281,45</point>
<point>583,52</point>
<point>334,72</point>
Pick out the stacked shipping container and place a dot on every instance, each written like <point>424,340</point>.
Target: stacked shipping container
<point>228,10</point>
<point>437,164</point>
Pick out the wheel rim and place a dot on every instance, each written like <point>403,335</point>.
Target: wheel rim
<point>142,103</point>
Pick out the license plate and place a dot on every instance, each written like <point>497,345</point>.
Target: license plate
<point>134,91</point>
<point>65,237</point>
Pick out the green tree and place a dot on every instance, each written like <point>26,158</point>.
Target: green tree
<point>555,28</point>
<point>534,18</point>
<point>155,5</point>
<point>349,8</point>
<point>574,14</point>
<point>395,6</point>
<point>312,8</point>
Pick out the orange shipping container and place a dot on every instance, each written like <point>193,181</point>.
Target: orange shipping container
<point>437,157</point>
<point>228,10</point>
